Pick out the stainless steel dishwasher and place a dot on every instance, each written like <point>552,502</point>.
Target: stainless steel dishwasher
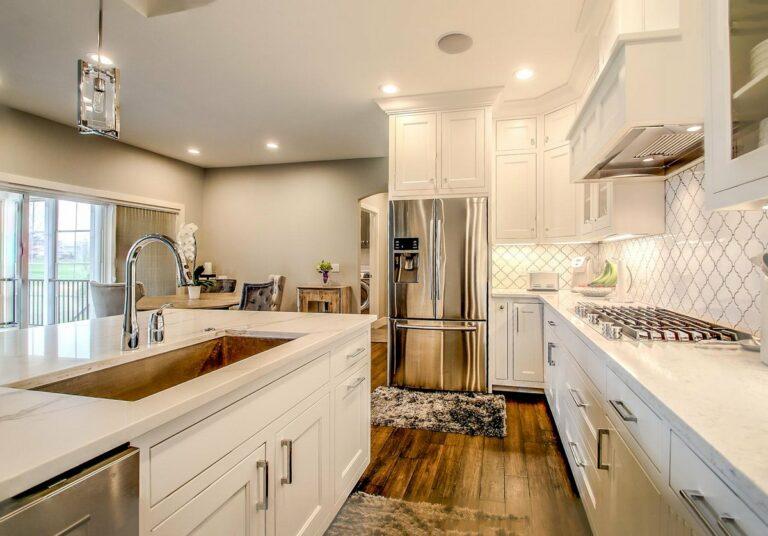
<point>98,497</point>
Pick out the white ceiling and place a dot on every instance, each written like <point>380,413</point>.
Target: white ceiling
<point>231,75</point>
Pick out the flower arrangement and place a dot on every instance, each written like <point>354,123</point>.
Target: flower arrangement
<point>324,267</point>
<point>187,245</point>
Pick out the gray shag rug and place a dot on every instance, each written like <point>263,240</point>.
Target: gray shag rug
<point>380,516</point>
<point>440,411</point>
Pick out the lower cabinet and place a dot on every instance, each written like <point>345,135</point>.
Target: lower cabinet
<point>517,344</point>
<point>235,504</point>
<point>303,496</point>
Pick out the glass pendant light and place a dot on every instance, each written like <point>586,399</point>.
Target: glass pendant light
<point>98,110</point>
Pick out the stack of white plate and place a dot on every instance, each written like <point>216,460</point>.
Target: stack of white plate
<point>758,58</point>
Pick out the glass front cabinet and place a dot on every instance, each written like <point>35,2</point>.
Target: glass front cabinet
<point>737,111</point>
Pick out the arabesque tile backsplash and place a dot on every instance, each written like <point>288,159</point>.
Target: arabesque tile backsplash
<point>699,266</point>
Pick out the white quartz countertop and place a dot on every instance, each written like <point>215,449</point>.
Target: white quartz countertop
<point>717,400</point>
<point>43,434</point>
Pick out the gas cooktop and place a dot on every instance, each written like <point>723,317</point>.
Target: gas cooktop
<point>653,324</point>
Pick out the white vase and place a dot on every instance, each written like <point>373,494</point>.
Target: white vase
<point>194,292</point>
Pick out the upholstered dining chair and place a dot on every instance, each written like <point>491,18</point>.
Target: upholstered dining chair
<point>265,296</point>
<point>107,298</point>
<point>221,285</point>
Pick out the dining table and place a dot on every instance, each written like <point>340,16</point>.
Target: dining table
<point>207,300</point>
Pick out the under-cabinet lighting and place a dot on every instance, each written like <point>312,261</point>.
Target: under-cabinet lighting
<point>271,145</point>
<point>193,150</point>
<point>694,128</point>
<point>616,238</point>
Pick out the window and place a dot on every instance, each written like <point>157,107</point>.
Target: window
<point>74,252</point>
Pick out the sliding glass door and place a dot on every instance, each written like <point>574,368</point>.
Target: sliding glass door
<point>10,257</point>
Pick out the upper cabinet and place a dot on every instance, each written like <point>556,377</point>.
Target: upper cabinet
<point>559,196</point>
<point>737,111</point>
<point>463,150</point>
<point>516,135</point>
<point>514,198</point>
<point>622,209</point>
<point>415,145</point>
<point>439,153</point>
<point>556,125</point>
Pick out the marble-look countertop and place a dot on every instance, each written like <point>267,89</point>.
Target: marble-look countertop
<point>717,400</point>
<point>43,434</point>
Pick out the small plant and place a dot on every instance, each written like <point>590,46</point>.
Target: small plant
<point>324,267</point>
<point>196,281</point>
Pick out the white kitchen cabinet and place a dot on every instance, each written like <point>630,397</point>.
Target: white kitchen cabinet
<point>517,345</point>
<point>559,196</point>
<point>303,495</point>
<point>556,126</point>
<point>514,198</point>
<point>351,441</point>
<point>415,152</point>
<point>631,505</point>
<point>737,107</point>
<point>527,358</point>
<point>621,208</point>
<point>463,150</point>
<point>516,135</point>
<point>235,504</point>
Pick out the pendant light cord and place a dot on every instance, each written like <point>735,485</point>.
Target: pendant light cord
<point>101,17</point>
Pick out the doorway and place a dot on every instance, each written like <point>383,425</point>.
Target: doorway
<point>372,257</point>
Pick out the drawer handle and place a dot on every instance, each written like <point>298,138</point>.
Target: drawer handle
<point>728,525</point>
<point>624,412</point>
<point>352,386</point>
<point>550,361</point>
<point>577,458</point>
<point>356,353</point>
<point>287,444</point>
<point>698,503</point>
<point>551,323</point>
<point>577,398</point>
<point>601,432</point>
<point>264,503</point>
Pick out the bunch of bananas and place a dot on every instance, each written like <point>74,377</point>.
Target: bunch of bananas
<point>608,277</point>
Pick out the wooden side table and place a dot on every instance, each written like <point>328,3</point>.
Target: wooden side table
<point>320,299</point>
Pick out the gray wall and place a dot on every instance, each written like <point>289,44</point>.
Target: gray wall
<point>285,218</point>
<point>39,148</point>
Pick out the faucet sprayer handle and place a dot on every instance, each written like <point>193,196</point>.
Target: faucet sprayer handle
<point>163,307</point>
<point>156,327</point>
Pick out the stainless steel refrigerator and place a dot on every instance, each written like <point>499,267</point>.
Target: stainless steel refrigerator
<point>438,293</point>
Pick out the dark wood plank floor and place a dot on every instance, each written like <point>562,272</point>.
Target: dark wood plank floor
<point>524,474</point>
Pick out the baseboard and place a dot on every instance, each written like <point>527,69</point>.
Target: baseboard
<point>380,323</point>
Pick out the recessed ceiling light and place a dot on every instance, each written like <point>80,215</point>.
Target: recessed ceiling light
<point>694,128</point>
<point>193,150</point>
<point>524,74</point>
<point>104,60</point>
<point>272,145</point>
<point>389,88</point>
<point>454,43</point>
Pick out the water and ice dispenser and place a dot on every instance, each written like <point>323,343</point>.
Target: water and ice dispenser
<point>405,260</point>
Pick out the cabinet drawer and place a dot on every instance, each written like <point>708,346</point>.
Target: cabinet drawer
<point>585,405</point>
<point>179,458</point>
<point>587,476</point>
<point>707,497</point>
<point>350,353</point>
<point>644,425</point>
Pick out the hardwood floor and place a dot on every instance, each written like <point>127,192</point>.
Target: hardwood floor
<point>523,474</point>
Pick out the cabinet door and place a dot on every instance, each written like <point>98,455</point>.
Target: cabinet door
<point>235,504</point>
<point>633,504</point>
<point>463,149</point>
<point>527,343</point>
<point>551,376</point>
<point>515,199</point>
<point>601,196</point>
<point>500,335</point>
<point>516,134</point>
<point>415,152</point>
<point>556,125</point>
<point>559,195</point>
<point>303,496</point>
<point>351,437</point>
<point>585,195</point>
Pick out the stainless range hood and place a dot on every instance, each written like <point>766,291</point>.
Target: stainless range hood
<point>652,152</point>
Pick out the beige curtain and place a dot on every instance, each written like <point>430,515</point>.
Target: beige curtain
<point>155,267</point>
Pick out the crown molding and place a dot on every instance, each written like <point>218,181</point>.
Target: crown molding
<point>428,102</point>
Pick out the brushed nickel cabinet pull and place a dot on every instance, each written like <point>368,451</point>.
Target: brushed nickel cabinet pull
<point>601,432</point>
<point>264,503</point>
<point>698,503</point>
<point>624,412</point>
<point>287,444</point>
<point>356,353</point>
<point>578,460</point>
<point>728,525</point>
<point>577,398</point>
<point>550,361</point>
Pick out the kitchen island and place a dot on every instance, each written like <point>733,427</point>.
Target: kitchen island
<point>190,434</point>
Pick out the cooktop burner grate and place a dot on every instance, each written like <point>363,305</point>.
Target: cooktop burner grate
<point>653,324</point>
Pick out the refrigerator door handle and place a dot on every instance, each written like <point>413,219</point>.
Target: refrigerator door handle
<point>433,288</point>
<point>435,328</point>
<point>438,258</point>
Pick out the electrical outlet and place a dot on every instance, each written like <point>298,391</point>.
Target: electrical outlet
<point>334,267</point>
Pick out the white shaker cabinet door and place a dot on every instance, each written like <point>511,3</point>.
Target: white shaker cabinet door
<point>556,126</point>
<point>415,152</point>
<point>516,134</point>
<point>515,199</point>
<point>352,418</point>
<point>527,342</point>
<point>463,149</point>
<point>500,334</point>
<point>235,504</point>
<point>303,478</point>
<point>559,195</point>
